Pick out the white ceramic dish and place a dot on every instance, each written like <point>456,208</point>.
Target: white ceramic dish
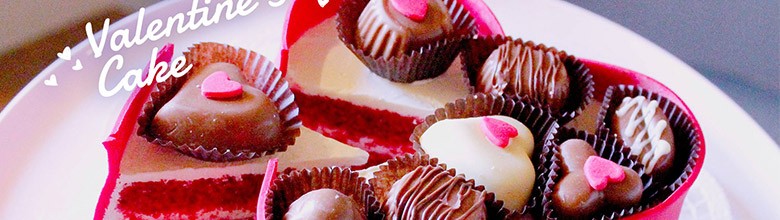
<point>53,165</point>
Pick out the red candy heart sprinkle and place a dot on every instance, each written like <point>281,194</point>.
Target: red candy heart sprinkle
<point>497,131</point>
<point>412,9</point>
<point>219,86</point>
<point>600,171</point>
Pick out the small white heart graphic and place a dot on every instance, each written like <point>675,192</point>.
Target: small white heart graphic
<point>51,81</point>
<point>323,3</point>
<point>78,65</point>
<point>65,55</point>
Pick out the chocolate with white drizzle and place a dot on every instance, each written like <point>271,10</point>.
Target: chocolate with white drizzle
<point>645,129</point>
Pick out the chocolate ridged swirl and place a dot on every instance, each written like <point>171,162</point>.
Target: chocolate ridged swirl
<point>383,31</point>
<point>432,193</point>
<point>524,69</point>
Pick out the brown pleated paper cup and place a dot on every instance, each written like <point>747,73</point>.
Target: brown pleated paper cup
<point>398,167</point>
<point>257,70</point>
<point>606,146</point>
<point>686,145</point>
<point>581,85</point>
<point>293,184</point>
<point>421,63</point>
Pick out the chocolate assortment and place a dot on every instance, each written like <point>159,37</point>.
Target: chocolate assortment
<point>500,144</point>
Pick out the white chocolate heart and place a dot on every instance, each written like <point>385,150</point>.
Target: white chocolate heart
<point>461,144</point>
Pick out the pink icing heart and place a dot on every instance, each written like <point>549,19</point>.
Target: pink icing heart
<point>600,171</point>
<point>498,131</point>
<point>219,86</point>
<point>412,9</point>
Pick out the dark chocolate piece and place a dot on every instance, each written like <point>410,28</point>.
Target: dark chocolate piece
<point>573,196</point>
<point>324,204</point>
<point>644,128</point>
<point>521,69</point>
<point>246,122</point>
<point>383,31</point>
<point>431,192</point>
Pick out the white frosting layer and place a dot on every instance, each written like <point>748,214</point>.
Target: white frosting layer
<point>461,144</point>
<point>311,149</point>
<point>320,64</point>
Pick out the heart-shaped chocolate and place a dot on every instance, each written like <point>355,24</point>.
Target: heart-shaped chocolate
<point>464,145</point>
<point>248,121</point>
<point>589,183</point>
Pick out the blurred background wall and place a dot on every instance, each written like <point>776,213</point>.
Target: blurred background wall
<point>735,44</point>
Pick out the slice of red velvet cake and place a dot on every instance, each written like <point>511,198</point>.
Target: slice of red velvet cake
<point>341,98</point>
<point>149,181</point>
<point>160,183</point>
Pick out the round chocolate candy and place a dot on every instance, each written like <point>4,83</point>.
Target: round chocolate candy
<point>525,70</point>
<point>324,204</point>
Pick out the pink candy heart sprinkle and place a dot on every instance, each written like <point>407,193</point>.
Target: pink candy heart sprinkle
<point>219,86</point>
<point>412,9</point>
<point>497,131</point>
<point>600,171</point>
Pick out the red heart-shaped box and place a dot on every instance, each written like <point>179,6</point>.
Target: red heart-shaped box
<point>304,15</point>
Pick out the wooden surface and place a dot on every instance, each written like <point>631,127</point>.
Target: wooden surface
<point>22,64</point>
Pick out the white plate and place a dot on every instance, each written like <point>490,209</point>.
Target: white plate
<point>53,165</point>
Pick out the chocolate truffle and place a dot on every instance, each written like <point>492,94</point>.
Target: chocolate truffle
<point>523,69</point>
<point>243,121</point>
<point>577,193</point>
<point>385,31</point>
<point>324,204</point>
<point>645,129</point>
<point>431,192</point>
<point>494,150</point>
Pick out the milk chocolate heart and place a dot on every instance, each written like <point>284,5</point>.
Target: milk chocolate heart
<point>249,122</point>
<point>575,196</point>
